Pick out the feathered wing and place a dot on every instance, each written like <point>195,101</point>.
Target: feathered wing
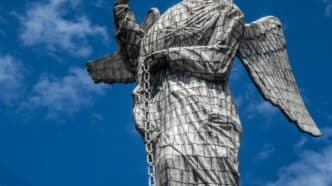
<point>111,68</point>
<point>263,53</point>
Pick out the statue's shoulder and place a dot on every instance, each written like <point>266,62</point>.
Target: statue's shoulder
<point>174,9</point>
<point>193,6</point>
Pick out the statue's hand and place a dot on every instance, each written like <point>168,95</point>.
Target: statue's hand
<point>120,2</point>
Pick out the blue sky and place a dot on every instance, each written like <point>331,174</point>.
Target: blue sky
<point>59,129</point>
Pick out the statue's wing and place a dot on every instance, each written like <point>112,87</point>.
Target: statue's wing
<point>263,53</point>
<point>152,16</point>
<point>110,69</point>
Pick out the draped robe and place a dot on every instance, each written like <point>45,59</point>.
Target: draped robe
<point>196,126</point>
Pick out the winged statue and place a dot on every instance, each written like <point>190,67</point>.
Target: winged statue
<point>180,62</point>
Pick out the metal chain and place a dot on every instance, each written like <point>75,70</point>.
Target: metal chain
<point>147,124</point>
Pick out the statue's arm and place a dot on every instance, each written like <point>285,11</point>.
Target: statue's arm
<point>207,62</point>
<point>210,61</point>
<point>128,33</point>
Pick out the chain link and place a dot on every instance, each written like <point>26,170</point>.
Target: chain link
<point>147,125</point>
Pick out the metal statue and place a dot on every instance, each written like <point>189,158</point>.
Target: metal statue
<point>183,108</point>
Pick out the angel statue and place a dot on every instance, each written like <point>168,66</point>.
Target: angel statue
<point>183,108</point>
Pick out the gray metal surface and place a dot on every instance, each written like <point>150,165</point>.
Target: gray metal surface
<point>193,122</point>
<point>110,69</point>
<point>263,52</point>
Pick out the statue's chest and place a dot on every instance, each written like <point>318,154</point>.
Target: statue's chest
<point>181,26</point>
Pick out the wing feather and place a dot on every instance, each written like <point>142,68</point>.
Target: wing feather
<point>263,53</point>
<point>110,69</point>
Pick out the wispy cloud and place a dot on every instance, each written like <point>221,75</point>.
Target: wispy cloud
<point>312,168</point>
<point>63,96</point>
<point>328,7</point>
<point>47,24</point>
<point>327,135</point>
<point>301,143</point>
<point>97,117</point>
<point>11,79</point>
<point>249,100</point>
<point>56,95</point>
<point>256,107</point>
<point>266,109</point>
<point>329,117</point>
<point>99,3</point>
<point>266,152</point>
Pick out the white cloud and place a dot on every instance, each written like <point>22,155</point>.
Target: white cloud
<point>250,99</point>
<point>99,3</point>
<point>328,10</point>
<point>301,143</point>
<point>314,168</point>
<point>329,117</point>
<point>46,24</point>
<point>66,95</point>
<point>266,152</point>
<point>266,109</point>
<point>257,107</point>
<point>327,135</point>
<point>11,77</point>
<point>97,117</point>
<point>328,7</point>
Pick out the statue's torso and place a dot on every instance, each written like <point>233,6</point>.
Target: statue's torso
<point>192,117</point>
<point>188,23</point>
